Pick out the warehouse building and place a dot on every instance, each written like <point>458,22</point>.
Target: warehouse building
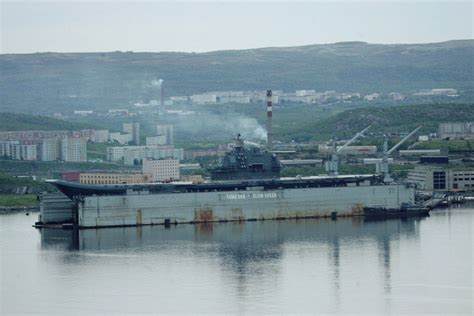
<point>456,130</point>
<point>436,178</point>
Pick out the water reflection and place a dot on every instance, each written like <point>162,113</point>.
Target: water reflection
<point>248,249</point>
<point>307,266</point>
<point>240,240</point>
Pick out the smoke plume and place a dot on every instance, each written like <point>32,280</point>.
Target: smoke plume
<point>207,125</point>
<point>156,83</point>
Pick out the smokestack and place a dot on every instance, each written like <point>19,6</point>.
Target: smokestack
<point>269,120</point>
<point>162,96</point>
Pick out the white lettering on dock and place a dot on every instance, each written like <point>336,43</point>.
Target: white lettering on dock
<point>243,196</point>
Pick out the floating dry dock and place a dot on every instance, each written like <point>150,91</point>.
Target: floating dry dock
<point>89,206</point>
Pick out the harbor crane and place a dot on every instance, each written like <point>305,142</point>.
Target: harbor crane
<point>382,167</point>
<point>332,166</point>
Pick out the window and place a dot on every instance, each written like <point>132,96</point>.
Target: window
<point>439,180</point>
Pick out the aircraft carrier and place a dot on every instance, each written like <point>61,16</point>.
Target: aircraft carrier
<point>245,186</point>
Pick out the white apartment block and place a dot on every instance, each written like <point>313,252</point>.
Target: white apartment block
<point>302,93</point>
<point>168,131</point>
<point>101,135</point>
<point>134,129</point>
<point>5,147</point>
<point>24,152</point>
<point>115,153</point>
<point>235,99</point>
<point>121,138</point>
<point>135,156</point>
<point>445,91</point>
<point>161,170</point>
<point>204,98</point>
<point>49,149</point>
<point>73,149</point>
<point>371,97</point>
<point>156,140</point>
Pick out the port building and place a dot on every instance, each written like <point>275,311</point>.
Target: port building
<point>438,178</point>
<point>456,130</point>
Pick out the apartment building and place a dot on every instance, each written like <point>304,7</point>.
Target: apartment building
<point>162,169</point>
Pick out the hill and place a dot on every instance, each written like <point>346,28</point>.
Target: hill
<point>385,119</point>
<point>47,82</point>
<point>28,122</point>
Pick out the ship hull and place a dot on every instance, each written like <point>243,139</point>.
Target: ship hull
<point>140,208</point>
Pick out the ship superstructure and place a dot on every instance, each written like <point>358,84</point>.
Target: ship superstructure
<point>242,163</point>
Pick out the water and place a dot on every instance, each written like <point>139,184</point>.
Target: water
<point>311,266</point>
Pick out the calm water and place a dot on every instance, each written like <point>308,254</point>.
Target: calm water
<point>313,266</point>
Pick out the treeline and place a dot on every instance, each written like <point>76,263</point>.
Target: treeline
<point>13,184</point>
<point>28,122</point>
<point>404,118</point>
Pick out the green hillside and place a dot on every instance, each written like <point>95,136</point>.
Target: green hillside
<point>45,82</point>
<point>27,122</point>
<point>384,119</point>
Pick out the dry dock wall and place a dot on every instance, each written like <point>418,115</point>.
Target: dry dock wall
<point>149,209</point>
<point>56,208</point>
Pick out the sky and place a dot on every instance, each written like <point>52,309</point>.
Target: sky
<point>194,26</point>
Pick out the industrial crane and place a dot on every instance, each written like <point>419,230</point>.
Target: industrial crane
<point>332,166</point>
<point>382,167</point>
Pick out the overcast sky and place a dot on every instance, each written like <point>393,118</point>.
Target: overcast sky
<point>85,26</point>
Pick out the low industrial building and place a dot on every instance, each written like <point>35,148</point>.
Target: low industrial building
<point>456,130</point>
<point>194,178</point>
<point>103,177</point>
<point>438,178</point>
<point>301,162</point>
<point>349,150</point>
<point>419,152</point>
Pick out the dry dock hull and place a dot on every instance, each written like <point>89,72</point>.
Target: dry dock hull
<point>153,209</point>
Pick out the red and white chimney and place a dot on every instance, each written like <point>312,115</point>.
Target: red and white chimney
<point>269,120</point>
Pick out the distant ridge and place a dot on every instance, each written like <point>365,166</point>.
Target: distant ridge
<point>66,81</point>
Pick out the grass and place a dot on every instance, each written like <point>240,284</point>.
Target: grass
<point>454,144</point>
<point>19,200</point>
